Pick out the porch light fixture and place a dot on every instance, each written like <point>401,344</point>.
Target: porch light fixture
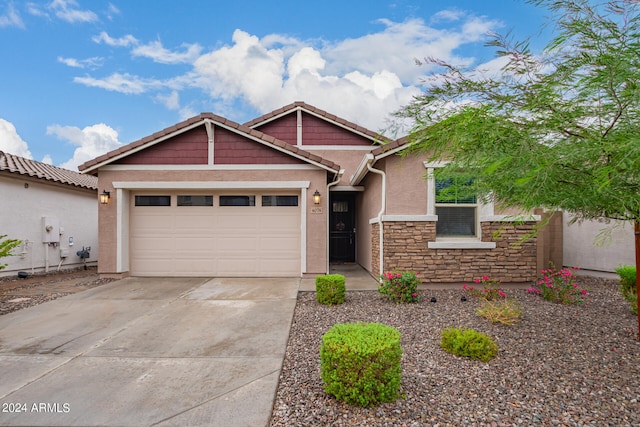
<point>316,197</point>
<point>105,197</point>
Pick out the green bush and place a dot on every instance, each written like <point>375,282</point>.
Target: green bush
<point>400,286</point>
<point>6,246</point>
<point>468,343</point>
<point>360,363</point>
<point>330,289</point>
<point>628,287</point>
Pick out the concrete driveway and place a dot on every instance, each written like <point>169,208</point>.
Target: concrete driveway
<point>147,352</point>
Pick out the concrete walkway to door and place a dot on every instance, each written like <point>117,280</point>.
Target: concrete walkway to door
<point>147,352</point>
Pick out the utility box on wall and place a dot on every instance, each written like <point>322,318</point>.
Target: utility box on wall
<point>50,230</point>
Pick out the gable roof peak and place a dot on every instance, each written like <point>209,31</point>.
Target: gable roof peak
<point>318,112</point>
<point>92,165</point>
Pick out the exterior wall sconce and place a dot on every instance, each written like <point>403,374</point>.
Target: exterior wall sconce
<point>316,197</point>
<point>105,197</point>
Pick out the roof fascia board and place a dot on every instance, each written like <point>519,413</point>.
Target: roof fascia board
<point>209,185</point>
<point>393,151</point>
<point>362,169</point>
<point>277,116</point>
<point>239,167</point>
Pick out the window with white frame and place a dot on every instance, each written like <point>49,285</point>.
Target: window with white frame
<point>457,211</point>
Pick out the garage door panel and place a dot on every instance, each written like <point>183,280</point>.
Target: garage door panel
<point>215,240</point>
<point>151,244</point>
<point>194,244</point>
<point>195,224</point>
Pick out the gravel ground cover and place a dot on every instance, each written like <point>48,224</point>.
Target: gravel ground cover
<point>15,301</point>
<point>560,366</point>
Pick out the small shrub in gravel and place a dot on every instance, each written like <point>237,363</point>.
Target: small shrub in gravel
<point>330,289</point>
<point>360,363</point>
<point>490,291</point>
<point>400,286</point>
<point>559,286</point>
<point>504,311</point>
<point>628,286</point>
<point>468,343</point>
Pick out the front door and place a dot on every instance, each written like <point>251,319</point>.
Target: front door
<point>342,227</point>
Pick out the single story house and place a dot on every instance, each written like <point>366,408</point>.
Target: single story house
<point>53,211</point>
<point>288,193</point>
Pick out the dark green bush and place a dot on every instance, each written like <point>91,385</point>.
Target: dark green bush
<point>628,287</point>
<point>468,343</point>
<point>360,363</point>
<point>330,289</point>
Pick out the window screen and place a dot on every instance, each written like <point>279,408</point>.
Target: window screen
<point>153,201</point>
<point>456,221</point>
<point>195,200</point>
<point>237,200</point>
<point>279,200</point>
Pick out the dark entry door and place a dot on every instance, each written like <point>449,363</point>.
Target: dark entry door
<point>342,228</point>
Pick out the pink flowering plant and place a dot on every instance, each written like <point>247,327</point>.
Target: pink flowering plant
<point>559,286</point>
<point>485,288</point>
<point>400,286</point>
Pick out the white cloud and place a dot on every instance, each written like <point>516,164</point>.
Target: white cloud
<point>123,41</point>
<point>67,10</point>
<point>90,142</point>
<point>94,62</point>
<point>447,15</point>
<point>171,101</point>
<point>11,142</point>
<point>123,83</point>
<point>362,79</point>
<point>112,10</point>
<point>158,53</point>
<point>47,159</point>
<point>245,70</point>
<point>11,18</point>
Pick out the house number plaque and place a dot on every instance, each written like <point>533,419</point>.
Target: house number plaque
<point>316,210</point>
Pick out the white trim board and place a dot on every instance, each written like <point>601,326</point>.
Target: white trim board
<point>209,185</point>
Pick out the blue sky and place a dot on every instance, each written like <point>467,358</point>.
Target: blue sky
<point>82,77</point>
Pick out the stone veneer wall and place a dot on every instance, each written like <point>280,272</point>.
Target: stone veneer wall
<point>405,248</point>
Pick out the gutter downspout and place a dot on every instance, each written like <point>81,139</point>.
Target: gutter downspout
<point>335,181</point>
<point>383,207</point>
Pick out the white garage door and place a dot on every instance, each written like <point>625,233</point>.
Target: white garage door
<point>186,234</point>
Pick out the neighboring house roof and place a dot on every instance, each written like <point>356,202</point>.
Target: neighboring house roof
<point>93,165</point>
<point>287,109</point>
<point>21,166</point>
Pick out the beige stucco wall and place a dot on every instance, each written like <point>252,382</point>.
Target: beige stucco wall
<point>349,160</point>
<point>367,207</point>
<point>580,248</point>
<point>406,185</point>
<point>316,224</point>
<point>74,210</point>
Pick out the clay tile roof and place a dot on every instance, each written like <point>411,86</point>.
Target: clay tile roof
<point>268,139</point>
<point>22,166</point>
<point>319,112</point>
<point>390,146</point>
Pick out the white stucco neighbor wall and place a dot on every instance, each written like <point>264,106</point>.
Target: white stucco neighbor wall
<point>73,213</point>
<point>580,249</point>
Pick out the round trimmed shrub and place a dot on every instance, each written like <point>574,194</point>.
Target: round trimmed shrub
<point>330,289</point>
<point>360,363</point>
<point>468,343</point>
